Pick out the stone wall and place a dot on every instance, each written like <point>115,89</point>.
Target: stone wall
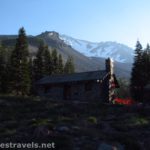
<point>80,91</point>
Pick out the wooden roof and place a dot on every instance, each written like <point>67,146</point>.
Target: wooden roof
<point>84,76</point>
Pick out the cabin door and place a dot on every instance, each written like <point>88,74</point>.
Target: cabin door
<point>67,92</point>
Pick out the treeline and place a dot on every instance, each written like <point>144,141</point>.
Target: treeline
<point>123,91</point>
<point>140,76</point>
<point>19,71</point>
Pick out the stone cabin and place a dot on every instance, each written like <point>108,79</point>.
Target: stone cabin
<point>85,86</point>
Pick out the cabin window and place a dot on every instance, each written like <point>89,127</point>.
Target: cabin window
<point>47,89</point>
<point>67,92</point>
<point>88,86</point>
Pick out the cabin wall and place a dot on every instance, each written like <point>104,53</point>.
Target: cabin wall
<point>80,91</point>
<point>54,92</point>
<point>86,91</point>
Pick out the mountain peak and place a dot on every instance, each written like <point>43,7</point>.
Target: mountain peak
<point>53,34</point>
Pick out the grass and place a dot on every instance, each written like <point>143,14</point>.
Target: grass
<point>139,121</point>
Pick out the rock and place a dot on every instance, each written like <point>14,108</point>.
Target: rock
<point>76,128</point>
<point>106,127</point>
<point>106,146</point>
<point>42,131</point>
<point>110,118</point>
<point>62,128</point>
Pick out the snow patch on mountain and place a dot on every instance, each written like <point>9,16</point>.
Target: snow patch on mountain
<point>51,34</point>
<point>118,52</point>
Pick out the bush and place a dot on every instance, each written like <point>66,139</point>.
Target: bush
<point>138,121</point>
<point>92,120</point>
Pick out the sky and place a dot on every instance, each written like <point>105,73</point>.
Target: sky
<point>123,21</point>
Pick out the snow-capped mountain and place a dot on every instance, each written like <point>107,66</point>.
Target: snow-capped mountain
<point>119,52</point>
<point>67,46</point>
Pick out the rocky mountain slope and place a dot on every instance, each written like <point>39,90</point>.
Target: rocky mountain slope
<point>82,62</point>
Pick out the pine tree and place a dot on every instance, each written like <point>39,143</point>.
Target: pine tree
<point>69,66</point>
<point>20,78</point>
<point>148,63</point>
<point>42,64</point>
<point>60,64</point>
<point>8,74</point>
<point>54,61</point>
<point>136,81</point>
<point>31,71</point>
<point>47,61</point>
<point>38,64</point>
<point>146,66</point>
<point>2,71</point>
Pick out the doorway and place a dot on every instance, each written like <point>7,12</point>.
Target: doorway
<point>67,92</point>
